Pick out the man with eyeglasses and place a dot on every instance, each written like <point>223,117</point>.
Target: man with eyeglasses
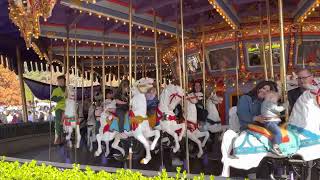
<point>305,79</point>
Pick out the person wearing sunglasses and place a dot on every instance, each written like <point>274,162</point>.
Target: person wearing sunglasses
<point>305,79</point>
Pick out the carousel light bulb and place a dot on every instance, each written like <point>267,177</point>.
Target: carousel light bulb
<point>124,23</point>
<point>139,27</point>
<point>109,44</point>
<point>116,20</point>
<point>80,11</point>
<point>318,5</point>
<point>55,39</point>
<point>90,13</point>
<point>99,16</point>
<point>108,18</point>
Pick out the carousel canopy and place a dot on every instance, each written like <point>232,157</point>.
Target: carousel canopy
<point>94,25</point>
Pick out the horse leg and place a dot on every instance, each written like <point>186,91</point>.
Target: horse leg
<point>176,140</point>
<point>99,150</point>
<point>115,144</point>
<point>206,136</point>
<point>146,145</point>
<point>78,136</point>
<point>89,137</point>
<point>194,138</point>
<point>156,135</point>
<point>107,148</point>
<point>183,130</point>
<point>68,137</point>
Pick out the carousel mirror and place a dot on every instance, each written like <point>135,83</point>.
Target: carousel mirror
<point>222,58</point>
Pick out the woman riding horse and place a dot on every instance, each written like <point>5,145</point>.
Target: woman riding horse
<point>202,113</point>
<point>249,105</point>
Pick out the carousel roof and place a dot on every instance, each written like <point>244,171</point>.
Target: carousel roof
<point>90,24</point>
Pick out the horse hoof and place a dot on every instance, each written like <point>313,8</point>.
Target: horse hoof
<point>199,154</point>
<point>145,160</point>
<point>176,149</point>
<point>106,154</point>
<point>97,153</point>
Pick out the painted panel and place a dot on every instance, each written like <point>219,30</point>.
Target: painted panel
<point>309,50</point>
<point>221,59</point>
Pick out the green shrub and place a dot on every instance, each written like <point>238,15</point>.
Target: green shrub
<point>31,170</point>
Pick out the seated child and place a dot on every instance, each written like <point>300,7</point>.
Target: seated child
<point>271,112</point>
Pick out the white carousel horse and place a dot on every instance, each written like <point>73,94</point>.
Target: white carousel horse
<point>94,113</point>
<point>170,97</point>
<point>303,133</point>
<point>70,118</point>
<point>106,131</point>
<point>213,123</point>
<point>193,131</point>
<point>140,127</point>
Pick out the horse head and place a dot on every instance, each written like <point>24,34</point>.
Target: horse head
<point>143,85</point>
<point>71,93</point>
<point>170,97</point>
<point>214,98</point>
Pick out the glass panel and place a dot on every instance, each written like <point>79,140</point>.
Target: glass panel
<point>254,53</point>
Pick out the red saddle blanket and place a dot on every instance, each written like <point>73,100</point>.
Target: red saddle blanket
<point>265,132</point>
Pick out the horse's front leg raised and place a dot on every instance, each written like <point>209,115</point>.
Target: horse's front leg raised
<point>156,134</point>
<point>172,133</point>
<point>204,134</point>
<point>116,142</point>
<point>181,126</point>
<point>194,138</point>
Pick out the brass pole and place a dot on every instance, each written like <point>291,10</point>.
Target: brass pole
<point>178,54</point>
<point>82,85</point>
<point>67,59</point>
<point>103,74</point>
<point>156,51</point>
<point>91,75</point>
<point>64,59</point>
<point>270,41</point>
<point>76,85</point>
<point>22,89</point>
<point>135,56</point>
<point>118,66</point>
<point>263,46</point>
<point>160,68</point>
<point>237,63</point>
<point>203,68</point>
<point>50,104</point>
<point>185,82</point>
<point>130,69</point>
<point>302,46</point>
<point>282,57</point>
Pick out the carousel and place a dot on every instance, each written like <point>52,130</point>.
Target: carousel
<point>187,64</point>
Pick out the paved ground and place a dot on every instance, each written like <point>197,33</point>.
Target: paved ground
<point>209,164</point>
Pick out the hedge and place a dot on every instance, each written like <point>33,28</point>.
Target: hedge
<point>31,170</point>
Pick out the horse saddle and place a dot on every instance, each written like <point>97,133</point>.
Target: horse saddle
<point>260,129</point>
